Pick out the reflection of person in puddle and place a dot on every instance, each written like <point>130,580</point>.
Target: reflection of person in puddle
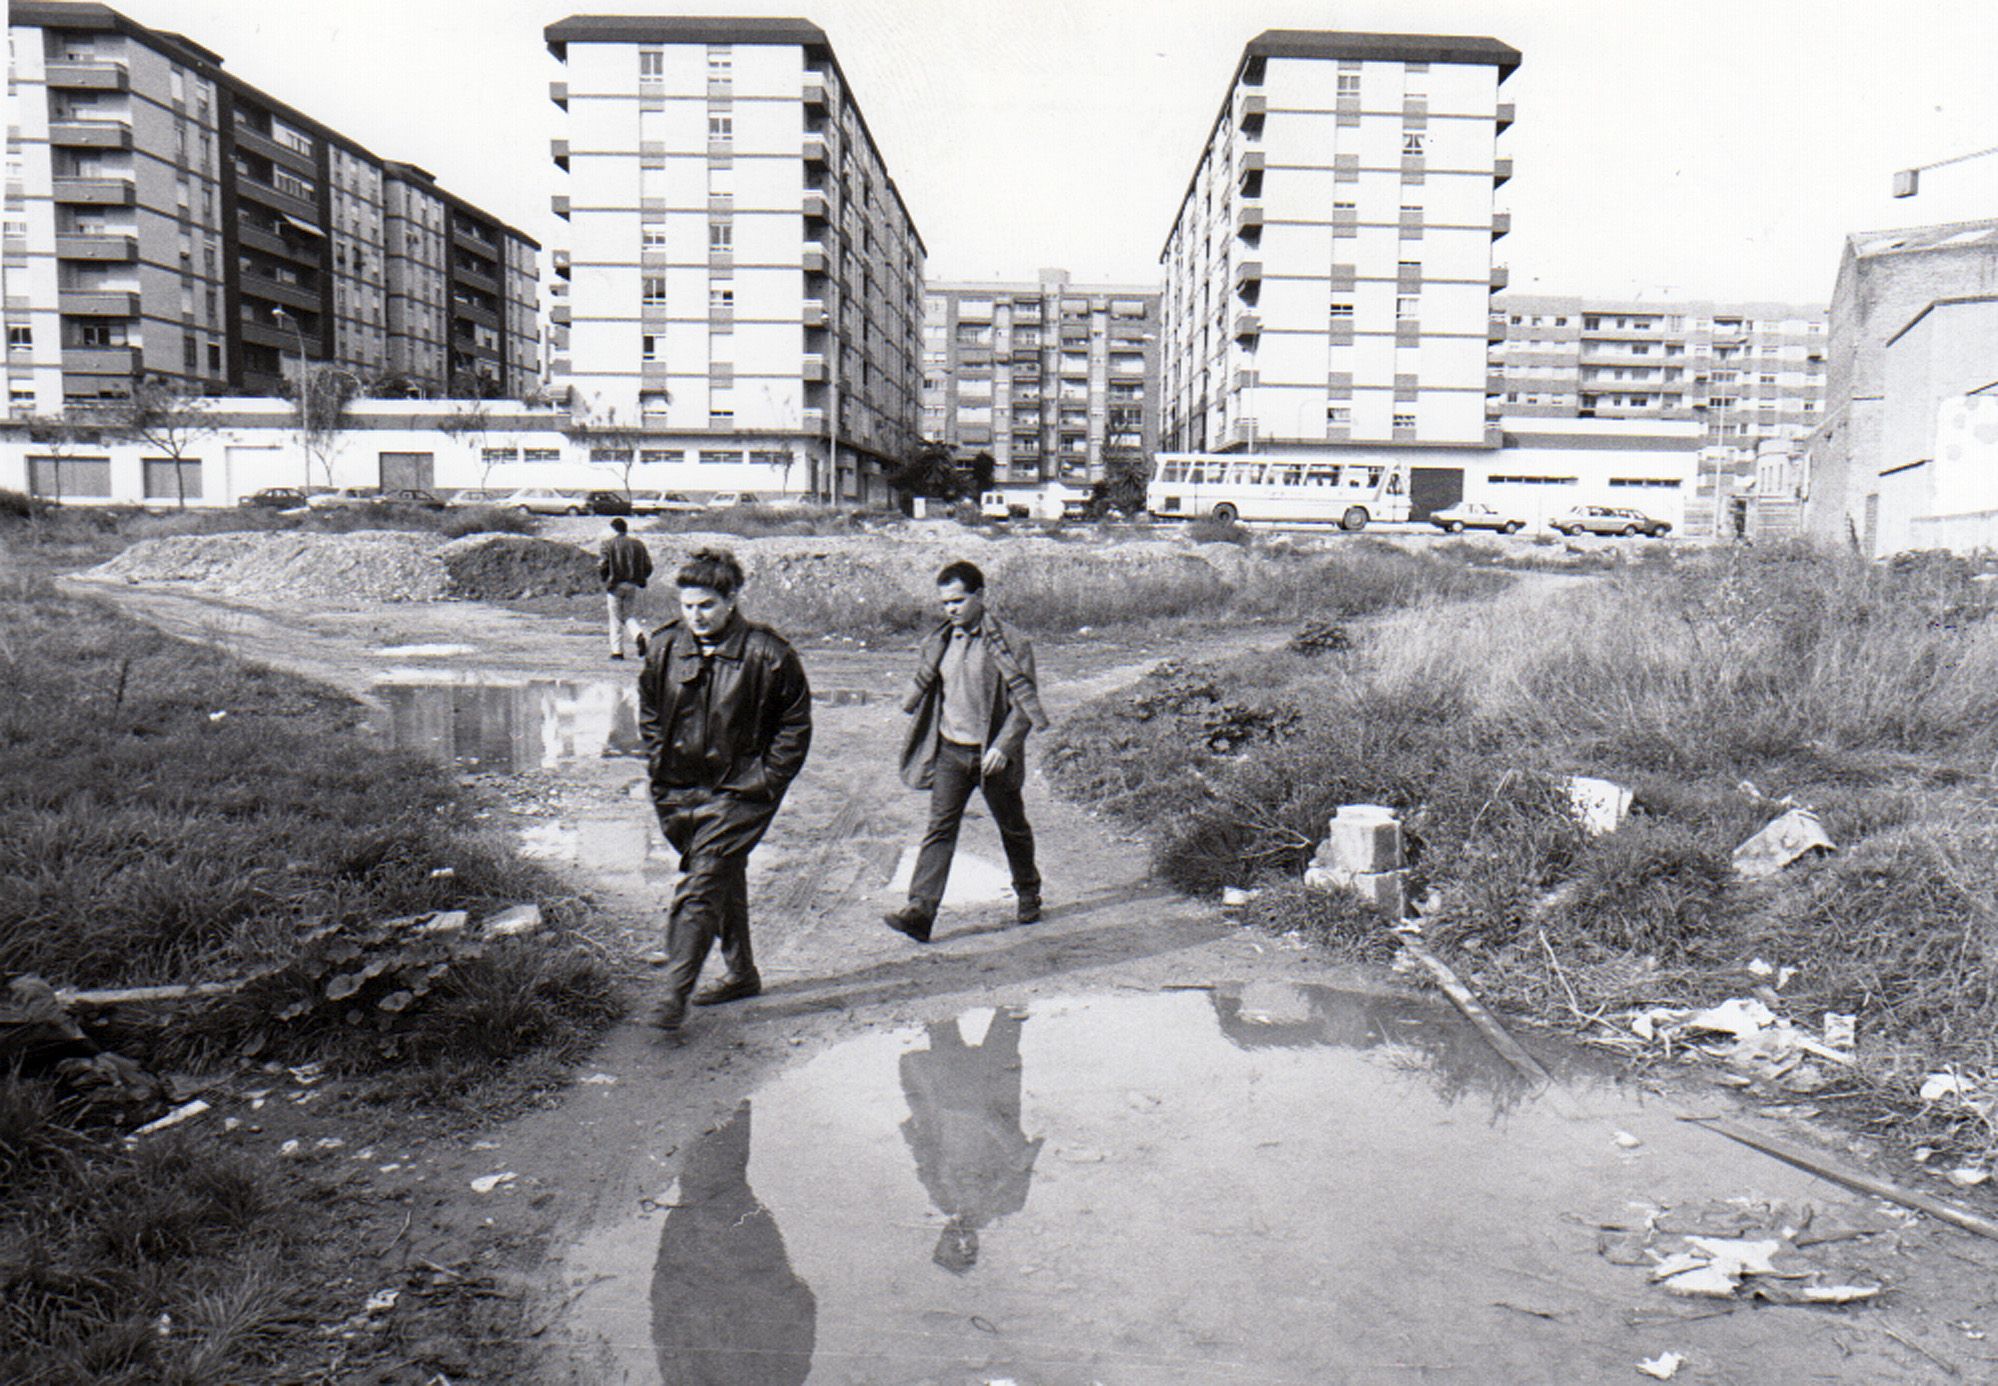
<point>964,1128</point>
<point>727,1309</point>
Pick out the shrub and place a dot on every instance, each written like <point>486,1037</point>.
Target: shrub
<point>1652,886</point>
<point>486,519</point>
<point>1209,530</point>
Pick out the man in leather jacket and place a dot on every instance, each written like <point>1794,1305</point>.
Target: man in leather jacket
<point>726,717</point>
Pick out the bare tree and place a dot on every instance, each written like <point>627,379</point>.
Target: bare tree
<point>60,435</point>
<point>613,444</point>
<point>162,413</point>
<point>319,415</point>
<point>468,426</point>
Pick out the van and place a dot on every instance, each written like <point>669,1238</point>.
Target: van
<point>992,506</point>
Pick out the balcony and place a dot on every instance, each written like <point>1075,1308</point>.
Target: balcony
<point>1250,107</point>
<point>812,420</point>
<point>1249,219</point>
<point>1501,276</point>
<point>814,90</point>
<point>559,314</point>
<point>814,367</point>
<point>815,259</point>
<point>1494,382</point>
<point>100,360</point>
<point>559,205</point>
<point>815,149</point>
<point>94,192</point>
<point>1247,376</point>
<point>108,303</point>
<point>90,134</point>
<point>257,142</point>
<point>1248,325</point>
<point>1250,161</point>
<point>558,92</point>
<point>1244,432</point>
<point>814,313</point>
<point>304,251</point>
<point>1501,171</point>
<point>120,247</point>
<point>1248,274</point>
<point>288,203</point>
<point>558,150</point>
<point>1494,436</point>
<point>277,291</point>
<point>86,77</point>
<point>475,279</point>
<point>1501,224</point>
<point>560,264</point>
<point>816,206</point>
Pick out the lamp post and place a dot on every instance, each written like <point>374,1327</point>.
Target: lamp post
<point>304,405</point>
<point>1908,181</point>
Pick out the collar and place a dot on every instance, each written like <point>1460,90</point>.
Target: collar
<point>734,636</point>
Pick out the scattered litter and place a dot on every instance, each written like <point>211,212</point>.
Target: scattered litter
<point>1739,1249</point>
<point>485,1145</point>
<point>444,873</point>
<point>291,1148</point>
<point>1664,1366</point>
<point>1782,975</point>
<point>1234,897</point>
<point>381,1301</point>
<point>328,1143</point>
<point>445,922</point>
<point>1600,806</point>
<point>1627,1141</point>
<point>307,1074</point>
<point>486,1183</point>
<point>1760,1044</point>
<point>218,716</point>
<point>1841,1031</point>
<point>520,919</point>
<point>187,1111</point>
<point>1796,834</point>
<point>601,1079</point>
<point>1968,1176</point>
<point>231,1123</point>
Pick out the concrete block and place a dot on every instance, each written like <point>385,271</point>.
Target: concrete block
<point>1386,891</point>
<point>1361,839</point>
<point>1599,805</point>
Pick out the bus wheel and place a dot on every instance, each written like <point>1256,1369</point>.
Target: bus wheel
<point>1354,520</point>
<point>1226,513</point>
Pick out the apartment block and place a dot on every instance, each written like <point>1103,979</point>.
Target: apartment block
<point>163,217</point>
<point>1048,377</point>
<point>1750,373</point>
<point>1330,271</point>
<point>742,276</point>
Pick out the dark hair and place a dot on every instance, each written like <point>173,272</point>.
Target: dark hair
<point>618,524</point>
<point>963,572</point>
<point>714,569</point>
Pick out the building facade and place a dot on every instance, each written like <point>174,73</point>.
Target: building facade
<point>741,266</point>
<point>1049,377</point>
<point>1887,281</point>
<point>1328,277</point>
<point>164,218</point>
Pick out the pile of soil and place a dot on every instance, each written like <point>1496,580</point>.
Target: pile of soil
<point>372,565</point>
<point>504,567</point>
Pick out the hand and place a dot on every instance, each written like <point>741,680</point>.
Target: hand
<point>994,762</point>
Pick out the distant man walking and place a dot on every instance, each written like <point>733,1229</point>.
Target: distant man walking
<point>624,565</point>
<point>726,717</point>
<point>975,699</point>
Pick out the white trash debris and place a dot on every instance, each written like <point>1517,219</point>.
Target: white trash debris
<point>1600,806</point>
<point>381,1301</point>
<point>601,1079</point>
<point>1968,1176</point>
<point>520,919</point>
<point>1796,834</point>
<point>1664,1366</point>
<point>1626,1141</point>
<point>187,1111</point>
<point>486,1183</point>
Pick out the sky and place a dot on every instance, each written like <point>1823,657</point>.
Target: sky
<point>1691,149</point>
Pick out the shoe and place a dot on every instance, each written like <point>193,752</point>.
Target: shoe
<point>729,989</point>
<point>1028,910</point>
<point>670,1013</point>
<point>642,643</point>
<point>619,654</point>
<point>912,920</point>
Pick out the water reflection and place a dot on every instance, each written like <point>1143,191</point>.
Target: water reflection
<point>539,724</point>
<point>727,1309</point>
<point>964,1130</point>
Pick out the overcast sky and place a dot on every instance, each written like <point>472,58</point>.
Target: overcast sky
<point>1685,148</point>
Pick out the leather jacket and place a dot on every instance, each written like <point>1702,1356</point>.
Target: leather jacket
<point>740,725</point>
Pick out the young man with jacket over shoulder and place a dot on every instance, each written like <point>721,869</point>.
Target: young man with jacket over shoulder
<point>726,717</point>
<point>974,701</point>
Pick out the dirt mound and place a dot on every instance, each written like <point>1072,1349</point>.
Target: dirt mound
<point>501,567</point>
<point>376,565</point>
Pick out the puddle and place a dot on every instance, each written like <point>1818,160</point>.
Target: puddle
<point>1272,1184</point>
<point>973,880</point>
<point>848,697</point>
<point>628,845</point>
<point>477,724</point>
<point>426,651</point>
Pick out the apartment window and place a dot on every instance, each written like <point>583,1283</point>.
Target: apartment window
<point>652,235</point>
<point>721,62</point>
<point>101,334</point>
<point>1410,269</point>
<point>721,237</point>
<point>720,126</point>
<point>1404,421</point>
<point>295,140</point>
<point>493,457</point>
<point>721,296</point>
<point>721,180</point>
<point>651,64</point>
<point>1349,84</point>
<point>1411,143</point>
<point>652,289</point>
<point>716,457</point>
<point>654,456</point>
<point>20,338</point>
<point>1406,306</point>
<point>649,346</point>
<point>1342,310</point>
<point>1339,414</point>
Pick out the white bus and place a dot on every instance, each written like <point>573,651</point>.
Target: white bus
<point>1233,486</point>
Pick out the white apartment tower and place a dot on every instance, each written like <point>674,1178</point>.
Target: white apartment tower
<point>1329,274</point>
<point>743,277</point>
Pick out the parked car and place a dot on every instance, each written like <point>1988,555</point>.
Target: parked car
<point>548,500</point>
<point>722,500</point>
<point>480,495</point>
<point>609,503</point>
<point>275,498</point>
<point>1610,519</point>
<point>345,495</point>
<point>1455,519</point>
<point>411,496</point>
<point>663,503</point>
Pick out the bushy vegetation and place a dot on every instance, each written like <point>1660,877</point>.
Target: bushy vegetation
<point>1712,686</point>
<point>761,521</point>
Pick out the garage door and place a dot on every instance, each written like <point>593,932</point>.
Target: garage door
<point>408,470</point>
<point>1433,488</point>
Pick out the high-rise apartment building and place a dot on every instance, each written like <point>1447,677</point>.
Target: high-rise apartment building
<point>1330,270</point>
<point>1049,377</point>
<point>741,267</point>
<point>1751,373</point>
<point>163,217</point>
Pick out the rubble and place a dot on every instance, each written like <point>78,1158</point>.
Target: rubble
<point>1785,840</point>
<point>1743,1249</point>
<point>1362,855</point>
<point>1757,1042</point>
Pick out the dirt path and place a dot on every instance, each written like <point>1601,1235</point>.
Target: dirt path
<point>1133,1018</point>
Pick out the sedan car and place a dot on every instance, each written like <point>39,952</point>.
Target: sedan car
<point>1455,519</point>
<point>411,496</point>
<point>722,500</point>
<point>1609,519</point>
<point>345,495</point>
<point>548,500</point>
<point>480,495</point>
<point>275,498</point>
<point>609,503</point>
<point>663,503</point>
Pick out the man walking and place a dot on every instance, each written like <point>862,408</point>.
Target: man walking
<point>624,566</point>
<point>974,700</point>
<point>726,718</point>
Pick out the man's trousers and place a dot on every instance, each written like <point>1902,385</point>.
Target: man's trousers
<point>714,834</point>
<point>955,775</point>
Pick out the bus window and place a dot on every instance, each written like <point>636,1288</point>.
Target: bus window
<point>1321,476</point>
<point>1284,474</point>
<point>1394,484</point>
<point>1245,474</point>
<point>1173,471</point>
<point>1373,477</point>
<point>1354,477</point>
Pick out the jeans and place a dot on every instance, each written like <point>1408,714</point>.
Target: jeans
<point>957,771</point>
<point>621,605</point>
<point>714,835</point>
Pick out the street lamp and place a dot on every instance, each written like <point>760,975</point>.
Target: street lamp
<point>1908,181</point>
<point>279,315</point>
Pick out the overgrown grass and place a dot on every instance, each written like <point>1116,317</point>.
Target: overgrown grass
<point>168,815</point>
<point>761,521</point>
<point>1711,686</point>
